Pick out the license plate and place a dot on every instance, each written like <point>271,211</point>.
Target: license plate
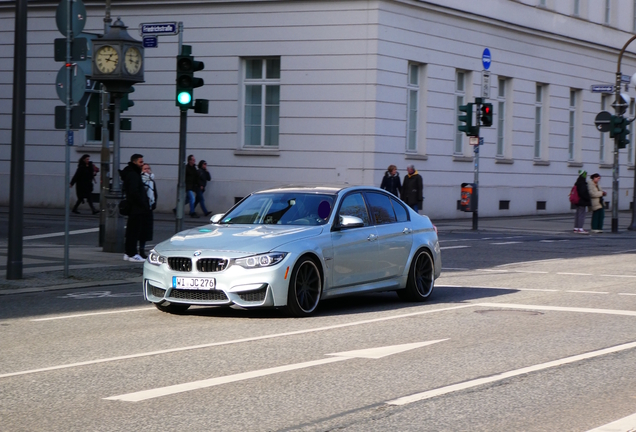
<point>193,283</point>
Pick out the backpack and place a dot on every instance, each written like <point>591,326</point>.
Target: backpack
<point>574,195</point>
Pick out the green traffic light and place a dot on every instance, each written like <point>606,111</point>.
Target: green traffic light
<point>184,98</point>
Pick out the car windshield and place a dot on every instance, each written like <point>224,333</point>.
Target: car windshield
<point>282,208</point>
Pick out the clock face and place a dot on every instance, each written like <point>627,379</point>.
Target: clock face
<point>132,60</point>
<point>107,59</point>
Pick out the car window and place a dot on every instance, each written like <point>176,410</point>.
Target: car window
<point>400,212</point>
<point>353,205</point>
<point>381,208</point>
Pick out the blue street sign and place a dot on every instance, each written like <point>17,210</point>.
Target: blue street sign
<point>69,138</point>
<point>602,88</point>
<point>486,59</point>
<point>159,28</point>
<point>151,41</point>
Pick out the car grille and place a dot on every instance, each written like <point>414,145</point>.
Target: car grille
<point>156,291</point>
<point>201,295</point>
<point>253,296</point>
<point>211,264</point>
<point>180,264</point>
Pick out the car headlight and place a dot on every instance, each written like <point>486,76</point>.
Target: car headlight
<point>262,260</point>
<point>155,258</point>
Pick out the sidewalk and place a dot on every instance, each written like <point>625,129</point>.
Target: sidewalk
<point>90,267</point>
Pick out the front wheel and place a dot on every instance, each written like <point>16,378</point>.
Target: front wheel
<point>305,287</point>
<point>421,280</point>
<point>173,308</point>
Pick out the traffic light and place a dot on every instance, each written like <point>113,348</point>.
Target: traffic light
<point>125,101</point>
<point>186,81</point>
<point>486,115</point>
<point>467,118</point>
<point>619,130</point>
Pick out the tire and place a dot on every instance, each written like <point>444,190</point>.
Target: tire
<point>173,308</point>
<point>305,288</point>
<point>421,280</point>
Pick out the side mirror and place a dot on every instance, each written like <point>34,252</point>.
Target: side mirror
<point>216,218</point>
<point>347,222</point>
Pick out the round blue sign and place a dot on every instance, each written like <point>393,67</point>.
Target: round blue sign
<point>485,58</point>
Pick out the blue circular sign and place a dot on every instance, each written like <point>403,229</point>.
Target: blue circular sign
<point>485,58</point>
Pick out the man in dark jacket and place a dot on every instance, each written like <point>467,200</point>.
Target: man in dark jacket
<point>192,184</point>
<point>584,201</point>
<point>413,189</point>
<point>139,207</point>
<point>391,181</point>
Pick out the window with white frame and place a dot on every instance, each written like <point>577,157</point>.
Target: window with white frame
<point>601,149</point>
<point>261,89</point>
<point>413,90</point>
<point>538,112</point>
<point>572,124</point>
<point>501,115</point>
<point>607,11</point>
<point>460,94</point>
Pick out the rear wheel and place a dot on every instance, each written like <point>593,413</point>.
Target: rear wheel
<point>421,280</point>
<point>305,287</point>
<point>173,308</point>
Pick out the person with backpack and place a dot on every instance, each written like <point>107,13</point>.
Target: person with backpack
<point>580,197</point>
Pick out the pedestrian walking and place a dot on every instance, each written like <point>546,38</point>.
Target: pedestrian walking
<point>148,179</point>
<point>391,181</point>
<point>139,208</point>
<point>83,180</point>
<point>413,189</point>
<point>204,178</point>
<point>596,202</point>
<point>584,201</point>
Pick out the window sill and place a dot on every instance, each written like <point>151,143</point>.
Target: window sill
<point>415,156</point>
<point>460,158</point>
<point>630,167</point>
<point>606,166</point>
<point>257,152</point>
<point>539,162</point>
<point>575,164</point>
<point>501,160</point>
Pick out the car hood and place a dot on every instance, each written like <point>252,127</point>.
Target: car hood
<point>236,238</point>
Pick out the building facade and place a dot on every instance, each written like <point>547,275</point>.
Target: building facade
<point>311,92</point>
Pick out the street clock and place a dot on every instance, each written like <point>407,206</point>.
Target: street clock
<point>118,59</point>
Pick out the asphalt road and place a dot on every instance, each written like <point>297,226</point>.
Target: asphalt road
<point>524,332</point>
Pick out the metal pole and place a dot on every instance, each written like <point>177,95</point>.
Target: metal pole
<point>67,153</point>
<point>632,226</point>
<point>183,126</point>
<point>478,102</point>
<point>105,155</point>
<point>16,199</point>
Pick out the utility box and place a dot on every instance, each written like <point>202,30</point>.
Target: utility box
<point>468,202</point>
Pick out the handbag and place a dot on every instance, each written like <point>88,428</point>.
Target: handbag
<point>124,207</point>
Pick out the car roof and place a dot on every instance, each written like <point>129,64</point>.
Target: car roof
<point>328,189</point>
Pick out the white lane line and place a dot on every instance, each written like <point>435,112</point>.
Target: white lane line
<point>626,424</point>
<point>505,375</point>
<point>627,294</point>
<point>370,353</point>
<point>60,234</point>
<point>497,288</point>
<point>529,271</point>
<point>618,276</point>
<point>625,251</point>
<point>93,314</point>
<point>574,274</point>
<point>231,342</point>
<point>587,292</point>
<point>453,247</point>
<point>560,309</point>
<point>455,269</point>
<point>506,243</point>
<point>531,262</point>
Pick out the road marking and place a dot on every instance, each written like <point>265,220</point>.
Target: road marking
<point>454,247</point>
<point>560,309</point>
<point>574,274</point>
<point>618,276</point>
<point>94,313</point>
<point>529,271</point>
<point>60,234</point>
<point>506,243</point>
<point>455,269</point>
<point>626,424</point>
<point>497,288</point>
<point>505,375</point>
<point>625,251</point>
<point>372,353</point>
<point>627,294</point>
<point>232,342</point>
<point>587,292</point>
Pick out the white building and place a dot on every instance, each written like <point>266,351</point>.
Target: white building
<point>350,87</point>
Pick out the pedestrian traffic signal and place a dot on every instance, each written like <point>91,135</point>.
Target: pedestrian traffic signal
<point>186,81</point>
<point>486,115</point>
<point>467,118</point>
<point>125,101</point>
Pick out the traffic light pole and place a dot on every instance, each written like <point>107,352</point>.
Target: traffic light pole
<point>183,129</point>
<point>476,162</point>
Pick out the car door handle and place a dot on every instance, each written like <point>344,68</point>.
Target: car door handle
<point>372,237</point>
<point>407,231</point>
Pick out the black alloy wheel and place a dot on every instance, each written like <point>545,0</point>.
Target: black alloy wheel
<point>421,280</point>
<point>305,287</point>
